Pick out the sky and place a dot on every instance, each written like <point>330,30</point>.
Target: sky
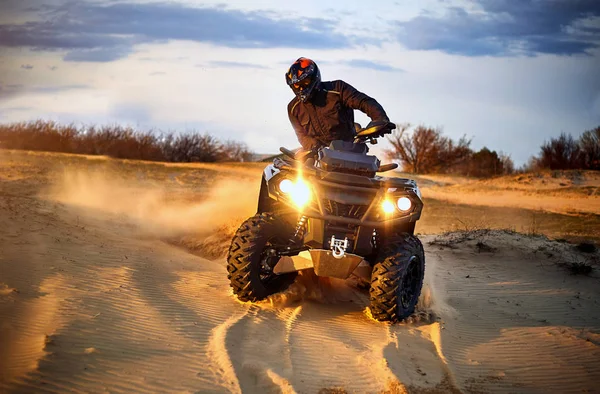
<point>507,74</point>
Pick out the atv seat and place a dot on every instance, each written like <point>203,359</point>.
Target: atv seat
<point>348,146</point>
<point>349,157</point>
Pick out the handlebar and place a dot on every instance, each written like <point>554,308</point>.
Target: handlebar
<point>299,155</point>
<point>374,130</point>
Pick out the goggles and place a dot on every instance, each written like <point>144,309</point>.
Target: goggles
<point>303,83</point>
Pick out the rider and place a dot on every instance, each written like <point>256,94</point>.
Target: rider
<point>324,111</point>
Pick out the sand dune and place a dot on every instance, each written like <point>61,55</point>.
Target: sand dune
<point>94,297</point>
<point>564,192</point>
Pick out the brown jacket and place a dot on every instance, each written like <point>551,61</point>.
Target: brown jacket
<point>329,114</point>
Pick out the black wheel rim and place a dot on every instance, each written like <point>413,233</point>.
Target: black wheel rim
<point>268,260</point>
<point>410,282</point>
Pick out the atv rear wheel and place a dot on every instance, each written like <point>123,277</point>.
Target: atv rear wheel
<point>251,258</point>
<point>397,279</point>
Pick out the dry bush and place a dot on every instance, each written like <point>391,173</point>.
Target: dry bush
<point>485,163</point>
<point>589,143</point>
<point>568,153</point>
<point>562,153</point>
<point>236,151</point>
<point>426,150</point>
<point>193,148</point>
<point>30,135</point>
<point>508,166</point>
<point>120,142</point>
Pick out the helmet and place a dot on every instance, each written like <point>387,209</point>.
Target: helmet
<point>303,76</point>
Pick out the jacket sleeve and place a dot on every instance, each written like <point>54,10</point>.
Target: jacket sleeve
<point>358,100</point>
<point>305,140</point>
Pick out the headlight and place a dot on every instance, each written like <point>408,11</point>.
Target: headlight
<point>301,193</point>
<point>286,186</point>
<point>387,206</point>
<point>298,191</point>
<point>404,204</point>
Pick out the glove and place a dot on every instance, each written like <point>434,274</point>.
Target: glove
<point>389,127</point>
<point>385,125</point>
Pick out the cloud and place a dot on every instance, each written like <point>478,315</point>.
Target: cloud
<point>101,33</point>
<point>358,63</point>
<point>58,88</point>
<point>8,91</point>
<point>13,90</point>
<point>361,63</point>
<point>100,55</point>
<point>227,64</point>
<point>507,28</point>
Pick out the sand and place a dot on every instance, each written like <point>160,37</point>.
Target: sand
<point>563,192</point>
<point>97,295</point>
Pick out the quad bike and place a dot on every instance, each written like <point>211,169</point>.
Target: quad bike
<point>328,210</point>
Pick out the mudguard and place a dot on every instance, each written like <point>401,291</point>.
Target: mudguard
<point>265,202</point>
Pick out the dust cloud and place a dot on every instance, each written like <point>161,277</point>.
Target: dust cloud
<point>310,287</point>
<point>158,210</point>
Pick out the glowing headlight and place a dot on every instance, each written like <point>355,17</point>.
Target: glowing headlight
<point>387,206</point>
<point>404,203</point>
<point>286,186</point>
<point>298,191</point>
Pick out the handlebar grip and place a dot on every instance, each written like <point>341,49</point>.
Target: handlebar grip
<point>387,167</point>
<point>287,152</point>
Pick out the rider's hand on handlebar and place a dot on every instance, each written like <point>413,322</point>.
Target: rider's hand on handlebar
<point>387,126</point>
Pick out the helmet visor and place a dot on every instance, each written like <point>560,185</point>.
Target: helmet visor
<point>303,84</point>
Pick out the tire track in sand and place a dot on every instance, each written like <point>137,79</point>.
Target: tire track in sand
<point>255,347</point>
<point>25,333</point>
<point>221,364</point>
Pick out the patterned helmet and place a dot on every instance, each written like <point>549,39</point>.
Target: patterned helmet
<point>303,76</point>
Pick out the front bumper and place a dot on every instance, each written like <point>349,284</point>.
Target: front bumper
<point>324,264</point>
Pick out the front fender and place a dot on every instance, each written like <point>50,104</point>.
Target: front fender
<point>265,202</point>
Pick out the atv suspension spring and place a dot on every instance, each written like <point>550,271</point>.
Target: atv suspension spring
<point>300,228</point>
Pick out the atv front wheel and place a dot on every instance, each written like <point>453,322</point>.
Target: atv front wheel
<point>252,256</point>
<point>397,279</point>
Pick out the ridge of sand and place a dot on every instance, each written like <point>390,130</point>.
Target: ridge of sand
<point>522,322</point>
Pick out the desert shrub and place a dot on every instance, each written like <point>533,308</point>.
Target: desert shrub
<point>508,166</point>
<point>485,163</point>
<point>426,150</point>
<point>22,135</point>
<point>568,153</point>
<point>562,153</point>
<point>120,142</point>
<point>589,144</point>
<point>236,151</point>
